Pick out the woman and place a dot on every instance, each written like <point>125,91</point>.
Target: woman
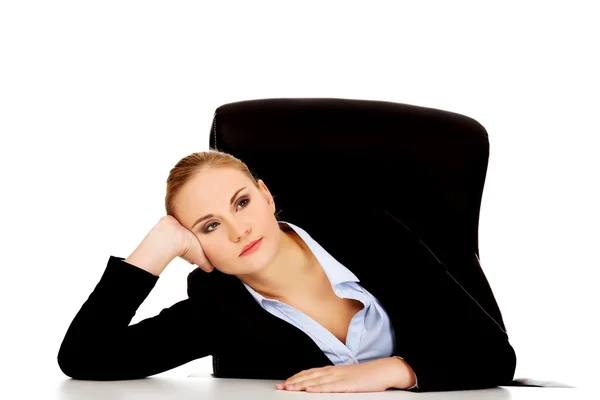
<point>267,290</point>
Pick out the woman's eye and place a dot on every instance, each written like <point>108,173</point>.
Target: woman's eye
<point>207,226</point>
<point>206,230</point>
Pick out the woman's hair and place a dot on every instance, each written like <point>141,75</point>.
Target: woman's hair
<point>190,165</point>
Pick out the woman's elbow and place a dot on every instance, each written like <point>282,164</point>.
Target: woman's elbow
<point>95,368</point>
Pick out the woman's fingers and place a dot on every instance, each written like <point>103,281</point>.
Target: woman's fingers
<point>195,254</point>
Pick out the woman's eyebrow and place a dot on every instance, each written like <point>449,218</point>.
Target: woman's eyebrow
<point>207,216</point>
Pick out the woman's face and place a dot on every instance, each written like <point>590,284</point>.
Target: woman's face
<point>237,217</point>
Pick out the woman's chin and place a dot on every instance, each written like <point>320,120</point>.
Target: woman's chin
<point>251,268</point>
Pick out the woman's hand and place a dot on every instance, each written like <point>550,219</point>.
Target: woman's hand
<point>167,240</point>
<point>189,246</point>
<point>372,376</point>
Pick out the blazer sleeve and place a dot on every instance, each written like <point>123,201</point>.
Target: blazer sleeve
<point>452,342</point>
<point>101,345</point>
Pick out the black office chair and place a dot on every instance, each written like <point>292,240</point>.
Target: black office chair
<point>327,160</point>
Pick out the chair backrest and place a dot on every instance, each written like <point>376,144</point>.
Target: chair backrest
<point>332,158</point>
<point>328,161</point>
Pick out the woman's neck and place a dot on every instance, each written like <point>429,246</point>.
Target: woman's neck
<point>295,273</point>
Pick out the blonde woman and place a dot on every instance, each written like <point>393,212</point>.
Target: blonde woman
<point>272,301</point>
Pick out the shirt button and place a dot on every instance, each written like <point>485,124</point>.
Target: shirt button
<point>350,361</point>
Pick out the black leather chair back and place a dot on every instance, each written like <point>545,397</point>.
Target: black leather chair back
<point>335,166</point>
<point>328,162</point>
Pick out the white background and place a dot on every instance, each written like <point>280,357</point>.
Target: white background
<point>98,100</point>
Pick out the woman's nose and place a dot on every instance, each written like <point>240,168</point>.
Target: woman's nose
<point>240,231</point>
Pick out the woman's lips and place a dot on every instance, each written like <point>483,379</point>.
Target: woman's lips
<point>252,248</point>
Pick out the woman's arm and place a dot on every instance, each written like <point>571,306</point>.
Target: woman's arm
<point>100,344</point>
<point>454,344</point>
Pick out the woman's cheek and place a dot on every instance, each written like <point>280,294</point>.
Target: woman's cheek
<point>212,251</point>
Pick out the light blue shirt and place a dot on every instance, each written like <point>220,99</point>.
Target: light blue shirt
<point>370,333</point>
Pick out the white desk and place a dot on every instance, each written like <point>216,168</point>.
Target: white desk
<point>208,387</point>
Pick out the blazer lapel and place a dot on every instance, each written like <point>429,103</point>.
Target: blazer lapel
<point>390,263</point>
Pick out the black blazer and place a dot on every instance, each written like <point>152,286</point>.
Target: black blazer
<point>442,331</point>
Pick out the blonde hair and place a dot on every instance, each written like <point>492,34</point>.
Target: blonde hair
<point>190,165</point>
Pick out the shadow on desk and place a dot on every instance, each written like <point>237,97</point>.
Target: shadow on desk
<point>538,383</point>
<point>208,387</point>
<point>147,388</point>
<point>230,388</point>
